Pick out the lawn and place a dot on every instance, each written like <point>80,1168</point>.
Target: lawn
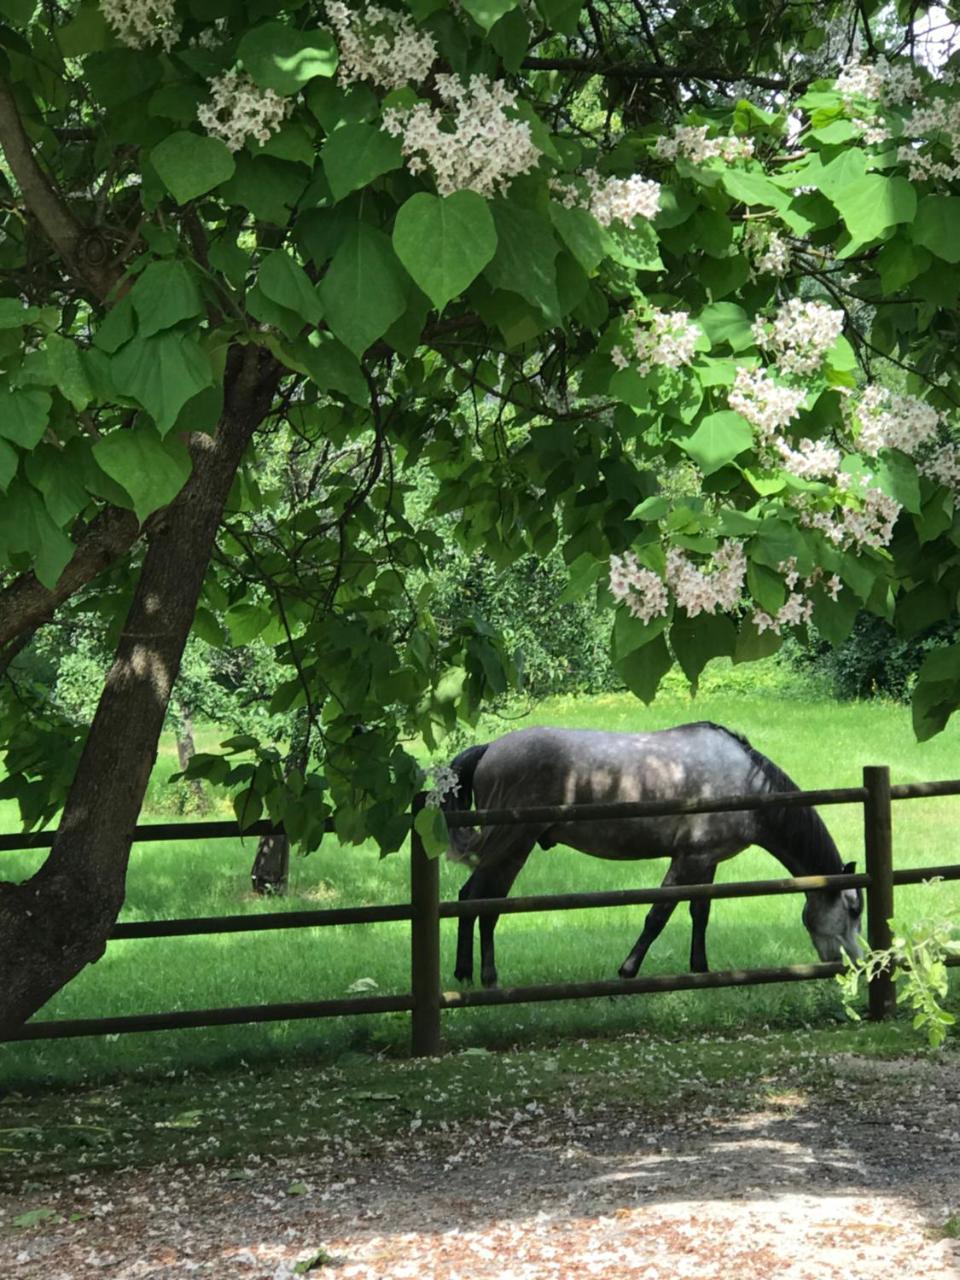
<point>820,743</point>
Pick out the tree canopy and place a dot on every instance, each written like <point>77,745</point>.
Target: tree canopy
<point>292,294</point>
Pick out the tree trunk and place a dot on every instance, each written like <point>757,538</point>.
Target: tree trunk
<point>271,866</point>
<point>186,750</point>
<point>58,921</point>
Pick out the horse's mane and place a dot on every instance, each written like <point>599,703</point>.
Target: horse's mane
<point>799,835</point>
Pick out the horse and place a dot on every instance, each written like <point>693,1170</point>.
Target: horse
<point>549,766</point>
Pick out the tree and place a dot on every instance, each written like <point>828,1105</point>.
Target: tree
<point>624,279</point>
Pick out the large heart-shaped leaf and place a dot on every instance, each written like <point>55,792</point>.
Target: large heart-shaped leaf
<point>444,242</point>
<point>189,165</point>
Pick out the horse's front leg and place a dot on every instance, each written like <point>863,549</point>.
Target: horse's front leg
<point>497,884</point>
<point>657,917</point>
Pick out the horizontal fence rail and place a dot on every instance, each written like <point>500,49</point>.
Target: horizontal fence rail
<point>426,1000</point>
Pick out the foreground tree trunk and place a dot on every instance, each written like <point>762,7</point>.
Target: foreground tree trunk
<point>58,921</point>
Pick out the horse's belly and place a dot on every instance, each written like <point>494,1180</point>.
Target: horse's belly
<point>632,841</point>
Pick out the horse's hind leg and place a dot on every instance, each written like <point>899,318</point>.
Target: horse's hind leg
<point>464,969</point>
<point>699,915</point>
<point>498,884</point>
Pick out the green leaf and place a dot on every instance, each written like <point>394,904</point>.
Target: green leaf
<point>718,439</point>
<point>13,314</point>
<point>642,670</point>
<point>285,282</point>
<point>331,366</point>
<point>26,526</point>
<point>65,364</point>
<point>268,188</point>
<point>363,291</point>
<point>33,1217</point>
<point>430,826</point>
<point>245,622</point>
<point>356,154</point>
<point>488,12</point>
<point>630,633</point>
<point>164,295</point>
<point>727,322</point>
<point>525,259</point>
<point>872,204</point>
<point>9,461</point>
<point>153,471</point>
<point>162,373</point>
<point>696,640</point>
<point>281,58</point>
<point>581,233</point>
<point>753,188</point>
<point>937,226</point>
<point>897,476</point>
<point>189,165</point>
<point>561,15</point>
<point>444,242</point>
<point>24,416</point>
<point>511,38</point>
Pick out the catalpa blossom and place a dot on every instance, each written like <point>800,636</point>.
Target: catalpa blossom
<point>869,524</point>
<point>641,590</point>
<point>810,460</point>
<point>939,122</point>
<point>719,586</point>
<point>238,110</point>
<point>612,199</point>
<point>768,252</point>
<point>798,607</point>
<point>691,142</point>
<point>667,339</point>
<point>139,24</point>
<point>483,151</point>
<point>446,782</point>
<point>764,403</point>
<point>891,421</point>
<point>800,335</point>
<point>380,45</point>
<point>943,467</point>
<point>880,81</point>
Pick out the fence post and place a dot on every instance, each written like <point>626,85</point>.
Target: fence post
<point>878,842</point>
<point>424,945</point>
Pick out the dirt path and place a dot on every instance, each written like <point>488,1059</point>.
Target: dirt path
<point>855,1182</point>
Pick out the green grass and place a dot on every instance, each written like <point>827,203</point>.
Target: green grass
<point>821,744</point>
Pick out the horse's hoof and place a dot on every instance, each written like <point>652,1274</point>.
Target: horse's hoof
<point>460,976</point>
<point>628,971</point>
<point>489,979</point>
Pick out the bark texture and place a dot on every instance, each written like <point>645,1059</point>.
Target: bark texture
<point>57,922</point>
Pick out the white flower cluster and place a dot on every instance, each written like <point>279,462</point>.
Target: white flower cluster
<point>891,421</point>
<point>880,81</point>
<point>943,467</point>
<point>139,24</point>
<point>647,595</point>
<point>800,335</point>
<point>641,590</point>
<point>445,783</point>
<point>691,142</point>
<point>768,252</point>
<point>612,199</point>
<point>797,608</point>
<point>719,586</point>
<point>669,340</point>
<point>764,403</point>
<point>485,149</point>
<point>941,121</point>
<point>810,460</point>
<point>868,525</point>
<point>238,110</point>
<point>380,45</point>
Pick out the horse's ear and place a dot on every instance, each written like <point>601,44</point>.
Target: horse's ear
<point>849,868</point>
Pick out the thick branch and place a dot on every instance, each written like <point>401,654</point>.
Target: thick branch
<point>82,251</point>
<point>656,71</point>
<point>26,603</point>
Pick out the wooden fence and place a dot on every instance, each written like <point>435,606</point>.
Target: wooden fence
<point>426,1000</point>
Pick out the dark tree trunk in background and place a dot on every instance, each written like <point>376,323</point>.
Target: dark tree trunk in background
<point>271,866</point>
<point>186,750</point>
<point>58,921</point>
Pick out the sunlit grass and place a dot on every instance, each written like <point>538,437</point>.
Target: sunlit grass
<point>820,744</point>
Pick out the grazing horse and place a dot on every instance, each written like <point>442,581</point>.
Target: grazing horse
<point>539,767</point>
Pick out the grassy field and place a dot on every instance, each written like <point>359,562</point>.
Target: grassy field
<point>821,744</point>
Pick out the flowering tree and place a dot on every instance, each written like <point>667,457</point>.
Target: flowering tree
<point>673,288</point>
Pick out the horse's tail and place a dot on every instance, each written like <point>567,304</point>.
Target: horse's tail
<point>464,766</point>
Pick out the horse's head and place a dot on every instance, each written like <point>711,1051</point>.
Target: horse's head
<point>832,918</point>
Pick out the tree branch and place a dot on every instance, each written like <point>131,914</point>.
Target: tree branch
<point>26,603</point>
<point>655,71</point>
<point>83,251</point>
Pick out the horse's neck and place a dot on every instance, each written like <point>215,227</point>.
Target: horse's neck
<point>802,844</point>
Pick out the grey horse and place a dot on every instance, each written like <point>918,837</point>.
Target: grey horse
<point>543,766</point>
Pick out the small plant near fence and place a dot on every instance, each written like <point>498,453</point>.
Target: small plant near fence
<point>917,959</point>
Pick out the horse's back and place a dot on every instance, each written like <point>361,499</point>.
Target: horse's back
<point>553,766</point>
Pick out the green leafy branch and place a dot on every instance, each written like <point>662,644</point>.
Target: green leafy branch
<point>917,958</point>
